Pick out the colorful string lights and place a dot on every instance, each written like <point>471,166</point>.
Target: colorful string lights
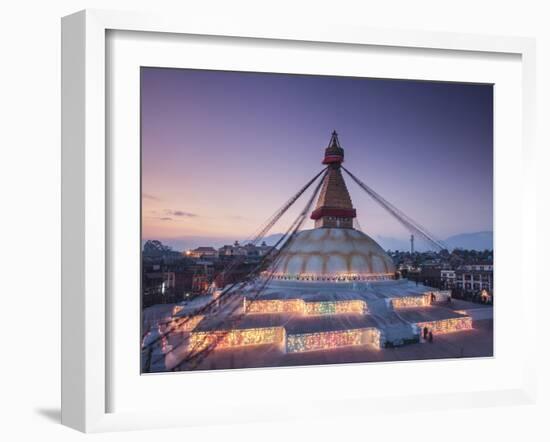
<point>294,343</point>
<point>237,337</point>
<point>411,301</point>
<point>447,325</point>
<point>332,339</point>
<point>176,309</point>
<point>187,323</point>
<point>274,306</point>
<point>335,307</point>
<point>351,277</point>
<point>302,307</point>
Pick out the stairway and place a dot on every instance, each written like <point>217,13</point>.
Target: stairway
<point>395,330</point>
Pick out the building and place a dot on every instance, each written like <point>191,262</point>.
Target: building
<point>249,250</point>
<point>448,278</point>
<point>158,287</point>
<point>253,251</point>
<point>203,253</point>
<point>331,287</point>
<point>158,282</point>
<point>232,250</point>
<point>475,278</point>
<point>200,283</point>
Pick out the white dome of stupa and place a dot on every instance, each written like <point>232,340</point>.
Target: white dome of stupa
<point>333,254</point>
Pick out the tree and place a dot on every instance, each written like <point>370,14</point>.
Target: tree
<point>155,248</point>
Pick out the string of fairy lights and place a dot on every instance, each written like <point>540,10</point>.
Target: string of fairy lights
<point>238,338</point>
<point>294,343</point>
<point>299,306</point>
<point>274,306</point>
<point>299,343</point>
<point>341,277</point>
<point>335,307</point>
<point>444,326</point>
<point>189,325</point>
<point>411,301</point>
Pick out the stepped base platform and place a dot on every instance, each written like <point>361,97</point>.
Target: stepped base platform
<point>306,317</point>
<point>292,333</point>
<point>321,321</point>
<point>477,342</point>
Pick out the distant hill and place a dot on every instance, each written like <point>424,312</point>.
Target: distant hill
<point>390,243</point>
<point>272,239</point>
<point>468,241</point>
<point>471,241</point>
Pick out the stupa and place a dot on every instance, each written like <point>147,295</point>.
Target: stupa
<point>332,287</point>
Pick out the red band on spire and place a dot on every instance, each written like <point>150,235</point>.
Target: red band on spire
<point>330,159</point>
<point>328,211</point>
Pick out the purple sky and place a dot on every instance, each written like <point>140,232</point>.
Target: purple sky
<point>223,150</point>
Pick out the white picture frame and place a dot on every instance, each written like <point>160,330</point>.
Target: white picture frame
<point>86,204</point>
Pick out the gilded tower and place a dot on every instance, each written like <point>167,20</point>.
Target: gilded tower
<point>334,207</point>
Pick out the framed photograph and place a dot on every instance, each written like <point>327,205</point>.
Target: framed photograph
<point>298,222</point>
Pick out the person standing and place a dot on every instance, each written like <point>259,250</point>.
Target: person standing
<point>430,337</point>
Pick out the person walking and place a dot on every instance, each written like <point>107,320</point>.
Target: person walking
<point>430,337</point>
<point>425,331</point>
